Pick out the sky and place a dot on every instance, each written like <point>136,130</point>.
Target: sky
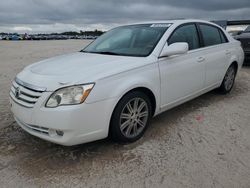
<point>46,16</point>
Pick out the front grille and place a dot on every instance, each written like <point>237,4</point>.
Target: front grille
<point>25,94</point>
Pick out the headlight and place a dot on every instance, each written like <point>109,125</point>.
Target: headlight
<point>69,95</point>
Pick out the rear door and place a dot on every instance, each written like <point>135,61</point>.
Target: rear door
<point>216,52</point>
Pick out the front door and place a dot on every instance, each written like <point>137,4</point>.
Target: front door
<point>183,75</point>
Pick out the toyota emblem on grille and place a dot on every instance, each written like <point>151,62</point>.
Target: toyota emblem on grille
<point>17,92</point>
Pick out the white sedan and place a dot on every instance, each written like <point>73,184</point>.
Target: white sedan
<point>115,85</point>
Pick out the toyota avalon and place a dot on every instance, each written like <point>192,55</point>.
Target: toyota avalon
<point>115,85</point>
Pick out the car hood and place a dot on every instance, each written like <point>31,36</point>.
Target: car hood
<point>77,68</point>
<point>243,36</point>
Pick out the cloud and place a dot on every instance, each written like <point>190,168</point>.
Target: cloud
<point>22,28</point>
<point>80,14</point>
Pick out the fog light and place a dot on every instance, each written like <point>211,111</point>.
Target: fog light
<point>52,132</point>
<point>59,133</point>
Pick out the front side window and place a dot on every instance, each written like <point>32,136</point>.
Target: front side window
<point>135,40</point>
<point>211,35</point>
<point>187,33</point>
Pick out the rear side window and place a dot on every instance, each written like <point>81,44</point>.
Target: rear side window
<point>186,33</point>
<point>223,37</point>
<point>211,35</point>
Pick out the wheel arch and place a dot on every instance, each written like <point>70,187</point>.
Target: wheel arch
<point>149,93</point>
<point>142,89</point>
<point>234,61</point>
<point>236,65</point>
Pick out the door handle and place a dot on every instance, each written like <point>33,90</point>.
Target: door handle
<point>201,59</point>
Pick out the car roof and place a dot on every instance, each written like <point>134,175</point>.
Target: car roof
<point>175,21</point>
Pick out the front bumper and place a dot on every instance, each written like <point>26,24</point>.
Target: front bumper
<point>79,123</point>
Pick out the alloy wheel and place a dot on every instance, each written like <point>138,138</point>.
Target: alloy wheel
<point>134,117</point>
<point>229,78</point>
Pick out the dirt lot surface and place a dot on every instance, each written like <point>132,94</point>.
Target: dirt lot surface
<point>203,143</point>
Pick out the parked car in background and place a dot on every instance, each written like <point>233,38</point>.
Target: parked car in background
<point>126,76</point>
<point>15,37</point>
<point>5,37</point>
<point>26,37</point>
<point>38,37</point>
<point>234,33</point>
<point>244,38</point>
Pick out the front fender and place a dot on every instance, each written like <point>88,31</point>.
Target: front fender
<point>117,86</point>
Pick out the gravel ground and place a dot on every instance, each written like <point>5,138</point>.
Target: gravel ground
<point>202,143</point>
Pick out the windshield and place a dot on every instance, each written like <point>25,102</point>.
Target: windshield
<point>134,40</point>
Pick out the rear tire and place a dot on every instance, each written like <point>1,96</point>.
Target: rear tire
<point>131,117</point>
<point>228,81</point>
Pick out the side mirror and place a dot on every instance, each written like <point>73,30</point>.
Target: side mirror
<point>175,49</point>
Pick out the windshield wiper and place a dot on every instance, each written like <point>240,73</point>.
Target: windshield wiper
<point>108,53</point>
<point>86,51</point>
<point>101,52</point>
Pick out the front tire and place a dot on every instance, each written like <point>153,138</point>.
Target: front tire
<point>228,81</point>
<point>130,117</point>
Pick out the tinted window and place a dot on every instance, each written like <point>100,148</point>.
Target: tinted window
<point>211,35</point>
<point>223,37</point>
<point>186,33</point>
